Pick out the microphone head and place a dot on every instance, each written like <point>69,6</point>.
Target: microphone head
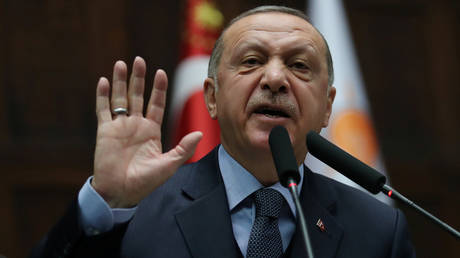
<point>344,163</point>
<point>283,155</point>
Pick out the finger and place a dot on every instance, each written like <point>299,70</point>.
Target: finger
<point>185,149</point>
<point>157,102</point>
<point>102,101</point>
<point>136,87</point>
<point>119,99</point>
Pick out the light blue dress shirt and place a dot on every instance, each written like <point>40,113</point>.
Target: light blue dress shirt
<point>97,217</point>
<point>239,185</point>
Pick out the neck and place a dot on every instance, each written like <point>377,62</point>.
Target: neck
<point>259,163</point>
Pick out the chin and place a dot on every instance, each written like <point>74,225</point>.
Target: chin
<point>259,141</point>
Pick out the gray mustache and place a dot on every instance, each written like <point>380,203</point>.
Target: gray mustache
<point>281,101</point>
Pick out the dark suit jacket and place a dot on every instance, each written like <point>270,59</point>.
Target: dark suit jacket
<point>189,217</point>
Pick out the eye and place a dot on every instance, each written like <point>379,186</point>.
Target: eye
<point>299,65</point>
<point>301,69</point>
<point>251,61</point>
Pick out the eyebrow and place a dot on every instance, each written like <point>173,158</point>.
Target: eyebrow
<point>252,44</point>
<point>308,48</point>
<point>258,45</point>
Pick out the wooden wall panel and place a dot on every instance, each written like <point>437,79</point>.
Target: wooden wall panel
<point>53,52</point>
<point>408,54</point>
<point>4,138</point>
<point>444,65</point>
<point>45,51</point>
<point>51,55</point>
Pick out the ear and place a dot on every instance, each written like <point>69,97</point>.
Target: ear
<point>330,101</point>
<point>209,90</point>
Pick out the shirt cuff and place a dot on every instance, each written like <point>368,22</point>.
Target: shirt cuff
<point>95,214</point>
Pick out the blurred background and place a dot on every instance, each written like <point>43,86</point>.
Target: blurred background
<point>53,52</point>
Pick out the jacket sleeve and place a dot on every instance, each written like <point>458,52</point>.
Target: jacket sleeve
<point>67,239</point>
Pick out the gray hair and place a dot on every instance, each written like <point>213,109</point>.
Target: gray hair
<point>219,45</point>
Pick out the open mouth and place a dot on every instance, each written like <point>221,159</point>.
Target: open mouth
<point>271,112</point>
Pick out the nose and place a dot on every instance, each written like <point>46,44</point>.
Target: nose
<point>274,77</point>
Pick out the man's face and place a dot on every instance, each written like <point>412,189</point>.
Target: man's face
<point>273,71</point>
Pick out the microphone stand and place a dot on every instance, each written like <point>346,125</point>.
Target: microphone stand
<point>287,169</point>
<point>392,193</point>
<point>362,174</point>
<point>292,186</point>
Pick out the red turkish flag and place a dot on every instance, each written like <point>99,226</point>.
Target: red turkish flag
<point>203,25</point>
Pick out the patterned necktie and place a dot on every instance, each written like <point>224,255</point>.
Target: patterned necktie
<point>265,238</point>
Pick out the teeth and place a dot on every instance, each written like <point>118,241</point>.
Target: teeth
<point>269,115</point>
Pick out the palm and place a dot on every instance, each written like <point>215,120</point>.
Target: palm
<point>129,162</point>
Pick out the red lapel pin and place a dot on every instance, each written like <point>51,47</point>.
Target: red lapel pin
<point>320,225</point>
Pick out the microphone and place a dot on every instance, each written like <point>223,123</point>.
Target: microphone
<point>365,176</point>
<point>283,156</point>
<point>286,167</point>
<point>344,163</point>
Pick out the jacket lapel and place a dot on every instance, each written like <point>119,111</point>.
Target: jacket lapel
<point>206,224</point>
<point>318,202</point>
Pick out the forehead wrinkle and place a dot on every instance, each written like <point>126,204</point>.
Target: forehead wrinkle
<point>281,45</point>
<point>307,34</point>
<point>305,47</point>
<point>257,29</point>
<point>238,31</point>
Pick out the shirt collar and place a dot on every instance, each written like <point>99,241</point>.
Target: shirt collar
<point>240,183</point>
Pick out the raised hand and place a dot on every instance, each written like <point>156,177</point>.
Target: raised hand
<point>129,162</point>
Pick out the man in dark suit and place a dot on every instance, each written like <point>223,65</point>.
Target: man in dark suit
<point>270,67</point>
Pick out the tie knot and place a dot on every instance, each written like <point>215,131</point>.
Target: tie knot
<point>268,202</point>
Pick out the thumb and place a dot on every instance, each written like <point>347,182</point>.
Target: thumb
<point>186,148</point>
